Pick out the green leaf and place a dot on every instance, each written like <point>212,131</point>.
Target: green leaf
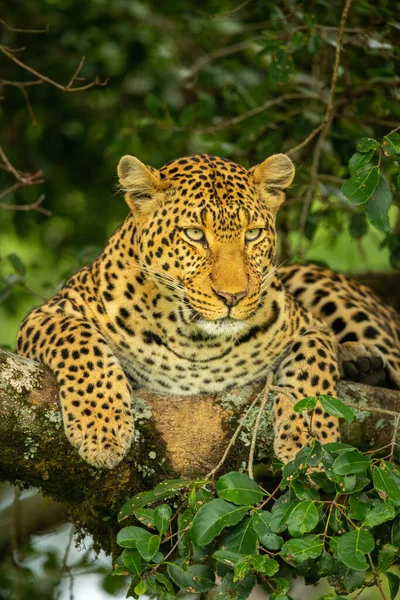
<point>227,557</point>
<point>378,205</point>
<point>280,516</point>
<point>132,561</point>
<point>17,263</point>
<point>161,578</point>
<point>380,514</point>
<point>140,588</point>
<point>358,161</point>
<point>351,462</point>
<point>212,518</point>
<point>395,535</point>
<point>358,225</point>
<point>367,144</point>
<point>309,456</point>
<point>239,488</point>
<point>281,584</point>
<point>391,144</point>
<point>4,293</point>
<point>352,547</point>
<point>298,550</point>
<point>281,67</point>
<point>336,408</point>
<point>359,506</point>
<point>162,517</point>
<point>304,491</point>
<point>154,105</point>
<point>241,539</point>
<point>197,578</point>
<point>119,567</point>
<point>166,489</point>
<point>268,539</point>
<point>305,404</point>
<point>145,516</point>
<point>236,590</point>
<point>325,564</point>
<point>394,583</point>
<point>386,556</point>
<point>387,484</point>
<point>303,518</point>
<point>187,115</point>
<point>398,181</point>
<point>338,447</point>
<point>184,520</point>
<point>136,537</point>
<point>264,564</point>
<point>358,189</point>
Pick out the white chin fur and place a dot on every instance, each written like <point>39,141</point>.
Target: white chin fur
<point>221,327</point>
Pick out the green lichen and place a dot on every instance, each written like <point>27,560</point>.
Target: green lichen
<point>20,375</point>
<point>31,448</point>
<point>55,417</point>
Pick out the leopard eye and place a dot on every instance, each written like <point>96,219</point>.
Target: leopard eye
<point>194,234</point>
<point>252,234</point>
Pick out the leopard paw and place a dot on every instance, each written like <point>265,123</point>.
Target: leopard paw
<point>363,363</point>
<point>99,424</point>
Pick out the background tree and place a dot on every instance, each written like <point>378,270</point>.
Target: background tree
<point>242,81</point>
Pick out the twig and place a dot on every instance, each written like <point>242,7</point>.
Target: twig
<point>63,88</point>
<point>323,130</point>
<point>21,86</point>
<point>264,401</point>
<point>75,75</point>
<point>219,53</point>
<point>329,107</point>
<point>231,12</point>
<point>10,167</point>
<point>34,206</point>
<point>393,443</point>
<point>311,187</point>
<point>376,577</point>
<point>233,438</point>
<point>251,113</point>
<point>17,30</point>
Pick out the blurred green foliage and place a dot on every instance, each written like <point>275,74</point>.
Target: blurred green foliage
<point>188,77</point>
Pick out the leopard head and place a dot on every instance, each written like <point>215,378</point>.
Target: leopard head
<point>205,228</point>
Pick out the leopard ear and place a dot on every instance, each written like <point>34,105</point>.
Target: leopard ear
<point>273,176</point>
<point>143,186</point>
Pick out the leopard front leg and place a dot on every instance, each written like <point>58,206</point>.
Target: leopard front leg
<point>95,395</point>
<point>309,369</point>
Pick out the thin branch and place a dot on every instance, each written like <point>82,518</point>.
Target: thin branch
<point>251,113</point>
<point>63,88</point>
<point>11,168</point>
<point>219,53</point>
<point>323,131</point>
<point>27,207</point>
<point>17,30</point>
<point>231,12</point>
<point>233,439</point>
<point>261,410</point>
<point>326,121</point>
<point>21,86</point>
<point>376,577</point>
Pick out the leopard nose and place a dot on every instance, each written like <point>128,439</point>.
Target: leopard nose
<point>230,299</point>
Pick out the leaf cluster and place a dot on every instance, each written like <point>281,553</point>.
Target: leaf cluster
<point>337,517</point>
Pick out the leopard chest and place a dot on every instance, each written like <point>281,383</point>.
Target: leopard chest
<point>187,366</point>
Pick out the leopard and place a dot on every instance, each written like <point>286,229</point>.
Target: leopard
<point>187,298</point>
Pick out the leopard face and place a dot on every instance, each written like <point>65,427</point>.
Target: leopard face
<point>206,231</point>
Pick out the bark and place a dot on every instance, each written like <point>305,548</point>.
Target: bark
<point>175,437</point>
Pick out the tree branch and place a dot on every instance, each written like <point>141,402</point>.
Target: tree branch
<point>175,436</point>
